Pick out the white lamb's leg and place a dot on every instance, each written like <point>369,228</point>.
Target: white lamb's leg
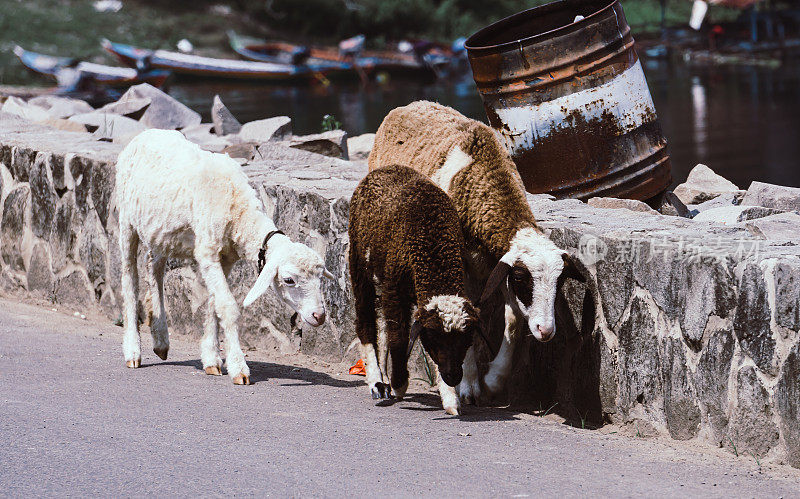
<point>228,313</point>
<point>469,390</point>
<point>158,327</point>
<point>128,247</point>
<point>209,345</point>
<point>447,393</point>
<point>500,367</point>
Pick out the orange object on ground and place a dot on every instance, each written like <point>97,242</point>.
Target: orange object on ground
<point>358,368</point>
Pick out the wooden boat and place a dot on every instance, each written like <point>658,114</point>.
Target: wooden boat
<point>67,71</point>
<point>370,61</point>
<point>208,67</point>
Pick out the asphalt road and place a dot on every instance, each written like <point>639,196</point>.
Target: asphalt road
<point>74,421</point>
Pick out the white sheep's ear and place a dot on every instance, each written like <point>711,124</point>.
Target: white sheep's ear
<point>327,273</point>
<point>263,283</point>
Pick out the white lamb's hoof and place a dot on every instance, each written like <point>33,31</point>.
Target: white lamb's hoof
<point>453,411</point>
<point>133,364</point>
<point>241,379</point>
<point>161,352</point>
<point>213,370</point>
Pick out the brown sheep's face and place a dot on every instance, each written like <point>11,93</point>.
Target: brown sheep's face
<point>446,333</point>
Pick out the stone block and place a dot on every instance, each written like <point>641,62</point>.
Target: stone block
<point>43,197</point>
<point>277,128</point>
<point>332,143</point>
<point>711,376</point>
<point>21,160</point>
<point>243,150</point>
<point>787,402</point>
<point>61,107</point>
<point>40,273</point>
<point>680,403</point>
<point>17,106</point>
<point>751,427</point>
<point>163,111</point>
<point>63,236</point>
<point>783,227</point>
<point>624,204</point>
<point>93,249</point>
<point>734,214</point>
<point>787,294</point>
<point>639,358</point>
<point>64,124</point>
<point>359,147</point>
<point>752,321</point>
<point>703,184</point>
<point>16,216</point>
<point>224,121</point>
<point>74,289</point>
<point>778,197</point>
<point>131,107</point>
<point>109,126</point>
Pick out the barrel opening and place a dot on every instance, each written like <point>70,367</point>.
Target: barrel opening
<point>535,22</point>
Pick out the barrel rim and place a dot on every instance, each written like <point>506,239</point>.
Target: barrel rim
<point>532,12</point>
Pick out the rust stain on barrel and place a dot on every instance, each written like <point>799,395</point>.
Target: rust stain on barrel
<point>570,102</point>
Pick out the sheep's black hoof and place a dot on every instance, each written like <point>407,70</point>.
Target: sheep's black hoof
<point>382,393</point>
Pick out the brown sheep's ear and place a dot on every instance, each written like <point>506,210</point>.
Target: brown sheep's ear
<point>572,269</point>
<point>416,327</point>
<point>497,276</point>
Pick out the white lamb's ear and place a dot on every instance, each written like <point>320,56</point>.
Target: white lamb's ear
<point>263,283</point>
<point>327,273</point>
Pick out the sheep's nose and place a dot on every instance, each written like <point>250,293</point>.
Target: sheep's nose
<point>319,317</point>
<point>546,332</point>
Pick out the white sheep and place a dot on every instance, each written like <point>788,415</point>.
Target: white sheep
<point>183,202</point>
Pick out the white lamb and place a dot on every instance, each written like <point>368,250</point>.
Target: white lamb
<point>183,202</point>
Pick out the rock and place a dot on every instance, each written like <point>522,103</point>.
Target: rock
<point>12,230</point>
<point>703,184</point>
<point>61,107</point>
<point>63,237</point>
<point>164,111</point>
<point>625,204</point>
<point>730,215</point>
<point>40,274</point>
<point>725,199</point>
<point>21,160</point>
<point>787,294</point>
<point>711,377</point>
<point>359,147</point>
<point>751,428</point>
<point>224,121</point>
<point>202,136</point>
<point>277,128</point>
<point>752,321</point>
<point>132,107</point>
<point>639,357</point>
<point>680,406</point>
<point>93,249</point>
<point>242,150</point>
<point>106,125</point>
<point>787,395</point>
<point>17,106</point>
<point>773,196</point>
<point>332,143</point>
<point>65,125</point>
<point>781,227</point>
<point>43,197</point>
<point>74,289</point>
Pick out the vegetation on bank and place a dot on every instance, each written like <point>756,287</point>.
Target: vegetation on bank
<point>73,28</point>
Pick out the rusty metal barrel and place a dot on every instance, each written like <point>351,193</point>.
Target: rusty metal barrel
<point>564,90</point>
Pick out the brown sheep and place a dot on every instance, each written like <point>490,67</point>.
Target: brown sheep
<point>406,240</point>
<point>506,248</point>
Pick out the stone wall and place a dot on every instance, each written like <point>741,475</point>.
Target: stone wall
<point>686,328</point>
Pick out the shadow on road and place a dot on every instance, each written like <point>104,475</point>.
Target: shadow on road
<point>263,371</point>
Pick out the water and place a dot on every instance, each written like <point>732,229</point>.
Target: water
<point>743,122</point>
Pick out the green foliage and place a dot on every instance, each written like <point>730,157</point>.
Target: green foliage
<point>329,123</point>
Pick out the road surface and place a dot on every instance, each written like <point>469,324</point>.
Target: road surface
<point>74,421</point>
